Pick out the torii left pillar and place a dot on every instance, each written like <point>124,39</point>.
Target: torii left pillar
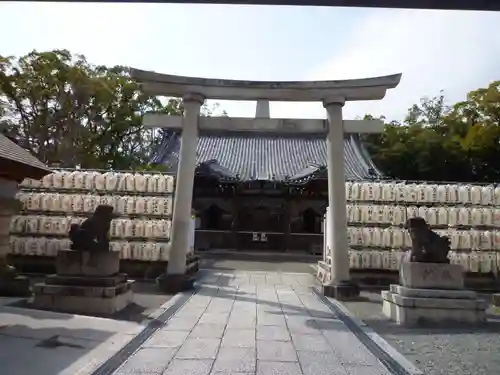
<point>175,279</point>
<point>340,285</point>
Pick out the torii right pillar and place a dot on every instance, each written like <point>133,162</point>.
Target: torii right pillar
<point>340,285</point>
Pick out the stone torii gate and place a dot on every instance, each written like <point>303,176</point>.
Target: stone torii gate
<point>333,95</point>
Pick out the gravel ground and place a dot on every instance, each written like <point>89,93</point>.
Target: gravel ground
<point>451,351</point>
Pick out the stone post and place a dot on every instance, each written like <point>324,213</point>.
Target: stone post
<point>262,109</point>
<point>340,286</point>
<point>175,279</point>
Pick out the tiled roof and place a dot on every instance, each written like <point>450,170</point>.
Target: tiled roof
<point>14,153</point>
<point>254,156</point>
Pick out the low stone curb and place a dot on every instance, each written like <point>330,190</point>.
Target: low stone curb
<point>108,357</point>
<point>382,348</point>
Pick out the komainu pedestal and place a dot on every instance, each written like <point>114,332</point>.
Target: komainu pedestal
<point>431,290</point>
<point>85,283</point>
<point>432,294</point>
<point>87,279</point>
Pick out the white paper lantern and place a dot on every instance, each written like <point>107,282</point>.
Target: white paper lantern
<point>464,216</point>
<point>487,195</point>
<point>140,205</point>
<point>348,191</point>
<point>356,191</point>
<point>89,203</point>
<point>111,181</point>
<point>77,203</point>
<point>452,194</point>
<point>475,195</point>
<point>388,192</point>
<point>464,192</point>
<point>487,240</point>
<point>442,193</point>
<point>140,183</point>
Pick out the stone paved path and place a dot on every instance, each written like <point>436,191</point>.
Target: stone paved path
<point>242,323</point>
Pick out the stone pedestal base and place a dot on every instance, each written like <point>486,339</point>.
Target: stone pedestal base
<point>173,284</point>
<point>344,290</point>
<point>432,294</point>
<point>85,305</point>
<point>18,286</point>
<point>86,263</point>
<point>86,283</point>
<point>101,296</point>
<point>416,307</point>
<point>431,275</point>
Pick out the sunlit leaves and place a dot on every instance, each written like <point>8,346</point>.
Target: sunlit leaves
<point>438,143</point>
<point>69,112</point>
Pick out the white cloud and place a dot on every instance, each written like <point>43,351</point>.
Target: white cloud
<point>454,51</point>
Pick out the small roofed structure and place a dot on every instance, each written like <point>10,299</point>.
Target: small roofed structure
<point>16,164</point>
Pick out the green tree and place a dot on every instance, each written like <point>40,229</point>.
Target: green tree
<point>475,122</point>
<point>419,147</point>
<point>67,111</point>
<point>439,143</point>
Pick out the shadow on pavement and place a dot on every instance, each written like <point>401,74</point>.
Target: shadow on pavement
<point>40,342</point>
<point>313,318</point>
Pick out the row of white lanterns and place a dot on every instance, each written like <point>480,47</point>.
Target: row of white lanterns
<point>120,228</point>
<point>356,213</point>
<point>108,181</point>
<point>443,215</point>
<point>423,193</point>
<point>398,238</point>
<point>392,237</point>
<point>87,203</point>
<point>355,191</point>
<point>483,262</point>
<point>479,262</point>
<point>43,246</point>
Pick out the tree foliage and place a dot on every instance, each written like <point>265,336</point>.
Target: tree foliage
<point>69,112</point>
<point>440,143</point>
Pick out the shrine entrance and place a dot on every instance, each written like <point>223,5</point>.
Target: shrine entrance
<point>333,95</point>
<point>260,225</point>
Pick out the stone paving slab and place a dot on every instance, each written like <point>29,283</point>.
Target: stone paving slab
<point>246,323</point>
<point>42,342</point>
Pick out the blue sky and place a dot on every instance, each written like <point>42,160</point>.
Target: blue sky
<point>455,51</point>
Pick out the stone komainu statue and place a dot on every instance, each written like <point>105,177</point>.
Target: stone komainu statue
<point>93,233</point>
<point>426,245</point>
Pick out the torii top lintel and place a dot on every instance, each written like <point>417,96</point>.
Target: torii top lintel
<point>301,91</point>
